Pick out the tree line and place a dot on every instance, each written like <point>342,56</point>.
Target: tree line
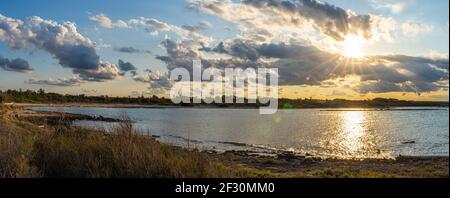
<point>40,96</point>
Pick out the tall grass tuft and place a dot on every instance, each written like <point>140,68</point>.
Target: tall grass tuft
<point>14,153</point>
<point>122,152</point>
<point>61,150</point>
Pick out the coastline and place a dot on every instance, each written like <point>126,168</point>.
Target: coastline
<point>289,165</point>
<point>403,166</point>
<point>206,106</point>
<point>92,105</point>
<point>52,118</point>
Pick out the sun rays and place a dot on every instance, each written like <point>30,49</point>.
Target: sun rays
<point>352,46</point>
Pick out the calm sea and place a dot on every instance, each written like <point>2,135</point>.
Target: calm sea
<point>343,133</point>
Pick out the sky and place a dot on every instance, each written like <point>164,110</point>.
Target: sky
<point>352,49</point>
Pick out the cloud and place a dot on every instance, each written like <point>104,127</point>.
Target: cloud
<point>161,26</point>
<point>15,65</point>
<point>158,82</point>
<point>201,26</point>
<point>393,7</point>
<point>89,91</point>
<point>413,29</point>
<point>106,71</point>
<point>63,41</point>
<point>186,33</point>
<point>57,39</point>
<point>308,65</point>
<point>77,56</point>
<point>60,82</point>
<point>121,24</point>
<point>130,50</point>
<point>338,93</point>
<point>126,67</point>
<point>331,20</point>
<point>220,48</point>
<point>106,22</point>
<point>303,61</point>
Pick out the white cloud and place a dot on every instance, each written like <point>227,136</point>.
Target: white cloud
<point>121,24</point>
<point>413,29</point>
<point>61,40</point>
<point>106,22</point>
<point>61,82</point>
<point>186,33</point>
<point>158,82</point>
<point>393,7</point>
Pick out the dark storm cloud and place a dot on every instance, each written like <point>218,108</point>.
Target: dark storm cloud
<point>15,65</point>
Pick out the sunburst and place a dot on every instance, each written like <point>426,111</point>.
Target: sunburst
<point>352,46</point>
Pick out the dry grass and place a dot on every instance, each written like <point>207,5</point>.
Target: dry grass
<point>27,150</point>
<point>15,147</point>
<point>83,153</point>
<point>63,151</point>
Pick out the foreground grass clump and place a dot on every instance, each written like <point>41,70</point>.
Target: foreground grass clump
<point>30,149</point>
<point>15,148</point>
<point>27,150</point>
<point>76,152</point>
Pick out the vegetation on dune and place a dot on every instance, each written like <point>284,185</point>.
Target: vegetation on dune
<point>79,152</point>
<point>61,150</point>
<point>27,150</point>
<point>41,96</point>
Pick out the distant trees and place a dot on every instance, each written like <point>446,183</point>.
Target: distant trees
<point>40,96</point>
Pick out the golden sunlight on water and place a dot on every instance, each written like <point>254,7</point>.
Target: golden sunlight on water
<point>353,130</point>
<point>353,137</point>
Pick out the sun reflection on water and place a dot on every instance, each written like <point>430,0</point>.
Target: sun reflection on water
<point>353,130</point>
<point>353,136</point>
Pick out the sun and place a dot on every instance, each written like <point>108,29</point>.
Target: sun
<point>352,46</point>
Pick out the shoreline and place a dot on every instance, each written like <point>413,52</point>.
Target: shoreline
<point>403,166</point>
<point>287,165</point>
<point>92,105</point>
<point>51,118</point>
<point>205,106</point>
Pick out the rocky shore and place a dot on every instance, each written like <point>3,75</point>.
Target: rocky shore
<point>283,164</point>
<point>311,166</point>
<point>51,118</point>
